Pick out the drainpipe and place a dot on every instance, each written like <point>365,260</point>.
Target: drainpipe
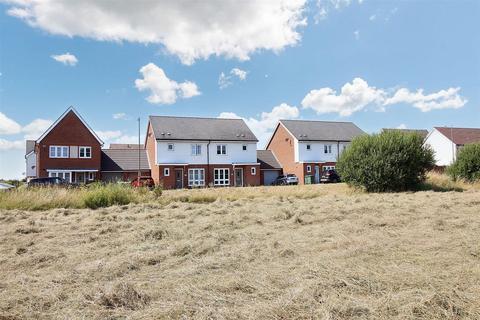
<point>207,175</point>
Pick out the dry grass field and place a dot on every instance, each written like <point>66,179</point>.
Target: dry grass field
<point>310,252</point>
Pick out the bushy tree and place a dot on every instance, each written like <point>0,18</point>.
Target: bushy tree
<point>467,165</point>
<point>389,161</point>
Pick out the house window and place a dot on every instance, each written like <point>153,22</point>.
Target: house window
<point>196,177</point>
<point>309,147</point>
<point>221,149</point>
<point>221,177</point>
<point>244,147</point>
<point>325,168</point>
<point>85,152</point>
<point>196,149</point>
<point>309,168</point>
<point>253,171</point>
<point>91,176</point>
<point>60,174</point>
<point>170,147</point>
<point>58,152</point>
<point>327,148</point>
<point>166,172</point>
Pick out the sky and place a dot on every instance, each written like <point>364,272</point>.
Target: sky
<point>379,64</point>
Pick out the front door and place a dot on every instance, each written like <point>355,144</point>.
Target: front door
<point>178,178</point>
<point>239,177</point>
<point>80,177</point>
<point>317,174</point>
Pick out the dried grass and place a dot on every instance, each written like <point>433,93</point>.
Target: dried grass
<point>308,252</point>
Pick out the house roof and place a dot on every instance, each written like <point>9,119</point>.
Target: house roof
<point>30,146</point>
<point>422,132</point>
<point>124,160</point>
<point>311,130</point>
<point>70,109</point>
<point>190,128</point>
<point>267,160</point>
<point>125,146</point>
<point>460,136</point>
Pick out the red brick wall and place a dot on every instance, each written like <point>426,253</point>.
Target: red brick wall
<point>150,146</point>
<point>70,131</point>
<point>282,145</point>
<point>168,182</point>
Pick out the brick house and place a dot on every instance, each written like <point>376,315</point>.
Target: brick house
<point>69,149</point>
<point>306,148</point>
<point>447,141</point>
<point>194,152</point>
<point>121,162</point>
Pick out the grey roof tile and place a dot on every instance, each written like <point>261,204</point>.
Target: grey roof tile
<point>312,130</point>
<point>124,160</point>
<point>267,160</point>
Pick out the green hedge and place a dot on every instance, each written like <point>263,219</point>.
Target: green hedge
<point>467,165</point>
<point>389,161</point>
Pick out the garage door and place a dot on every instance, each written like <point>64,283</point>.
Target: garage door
<point>269,176</point>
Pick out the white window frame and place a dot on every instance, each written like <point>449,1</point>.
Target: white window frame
<point>309,168</point>
<point>309,147</point>
<point>58,151</point>
<point>168,147</point>
<point>61,174</point>
<point>166,172</point>
<point>253,171</point>
<point>221,149</point>
<point>84,148</point>
<point>196,177</point>
<point>196,149</point>
<point>225,180</point>
<point>327,149</point>
<point>325,168</point>
<point>90,176</point>
<point>244,147</point>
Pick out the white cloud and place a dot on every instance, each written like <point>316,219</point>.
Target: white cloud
<point>11,145</point>
<point>129,139</point>
<point>359,94</point>
<point>118,116</point>
<point>36,128</point>
<point>443,99</point>
<point>372,17</point>
<point>326,6</point>
<point>353,97</point>
<point>8,126</point>
<point>402,126</point>
<point>263,127</point>
<point>356,33</point>
<point>190,30</point>
<point>225,80</point>
<point>66,58</point>
<point>108,135</point>
<point>162,89</point>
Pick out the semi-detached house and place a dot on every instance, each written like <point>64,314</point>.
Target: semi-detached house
<point>194,152</point>
<point>306,147</point>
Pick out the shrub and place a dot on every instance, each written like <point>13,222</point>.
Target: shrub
<point>104,196</point>
<point>390,161</point>
<point>467,165</point>
<point>157,191</point>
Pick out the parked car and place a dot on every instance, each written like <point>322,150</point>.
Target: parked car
<point>286,179</point>
<point>330,176</point>
<point>48,182</point>
<point>6,186</point>
<point>144,182</point>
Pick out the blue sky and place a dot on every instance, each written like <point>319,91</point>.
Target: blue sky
<point>376,63</point>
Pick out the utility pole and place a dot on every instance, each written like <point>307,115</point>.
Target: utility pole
<point>138,175</point>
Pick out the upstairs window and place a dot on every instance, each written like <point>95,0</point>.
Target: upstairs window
<point>58,152</point>
<point>85,152</point>
<point>170,147</point>
<point>327,148</point>
<point>221,149</point>
<point>196,149</point>
<point>244,147</point>
<point>309,147</point>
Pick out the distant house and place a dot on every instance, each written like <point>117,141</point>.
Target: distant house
<point>447,141</point>
<point>270,168</point>
<point>421,132</point>
<point>121,162</point>
<point>69,149</point>
<point>192,152</point>
<point>306,148</point>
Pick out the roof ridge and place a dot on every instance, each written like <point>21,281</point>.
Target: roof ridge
<point>309,120</point>
<point>446,127</point>
<point>195,117</point>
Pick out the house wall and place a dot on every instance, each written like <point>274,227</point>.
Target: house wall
<point>31,165</point>
<point>71,132</point>
<point>445,150</point>
<point>282,144</point>
<point>168,182</point>
<point>182,152</point>
<point>317,152</point>
<point>151,147</point>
